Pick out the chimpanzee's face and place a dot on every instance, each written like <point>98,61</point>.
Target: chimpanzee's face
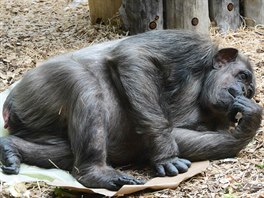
<point>228,80</point>
<point>243,80</point>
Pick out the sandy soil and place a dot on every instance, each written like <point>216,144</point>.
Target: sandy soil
<point>33,30</point>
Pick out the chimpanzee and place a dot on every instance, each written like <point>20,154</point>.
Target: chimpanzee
<point>162,97</point>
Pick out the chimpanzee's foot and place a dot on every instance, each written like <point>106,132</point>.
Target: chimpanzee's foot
<point>9,156</point>
<point>171,167</point>
<point>104,177</point>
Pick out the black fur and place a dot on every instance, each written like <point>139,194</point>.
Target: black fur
<point>152,97</point>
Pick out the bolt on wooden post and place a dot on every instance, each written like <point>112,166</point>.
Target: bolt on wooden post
<point>190,14</point>
<point>141,15</point>
<point>225,14</point>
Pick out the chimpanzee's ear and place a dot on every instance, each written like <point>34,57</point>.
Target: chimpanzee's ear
<point>224,56</point>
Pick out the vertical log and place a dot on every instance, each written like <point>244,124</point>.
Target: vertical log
<point>254,9</point>
<point>141,15</point>
<point>225,13</point>
<point>102,10</point>
<point>188,14</point>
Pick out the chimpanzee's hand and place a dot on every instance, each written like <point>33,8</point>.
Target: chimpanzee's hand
<point>251,118</point>
<point>247,107</point>
<point>172,167</point>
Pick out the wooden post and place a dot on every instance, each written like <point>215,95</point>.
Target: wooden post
<point>141,15</point>
<point>225,13</point>
<point>102,10</point>
<point>187,14</point>
<point>254,9</point>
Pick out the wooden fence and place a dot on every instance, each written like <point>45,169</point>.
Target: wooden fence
<point>143,15</point>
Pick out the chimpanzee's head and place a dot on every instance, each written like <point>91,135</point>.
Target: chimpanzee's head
<point>231,76</point>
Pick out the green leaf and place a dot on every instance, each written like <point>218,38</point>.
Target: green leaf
<point>38,176</point>
<point>261,166</point>
<point>229,196</point>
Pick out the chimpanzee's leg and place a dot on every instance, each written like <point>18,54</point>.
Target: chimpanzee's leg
<point>14,150</point>
<point>87,128</point>
<point>31,147</point>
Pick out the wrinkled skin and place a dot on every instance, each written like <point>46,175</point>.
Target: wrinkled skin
<point>164,98</point>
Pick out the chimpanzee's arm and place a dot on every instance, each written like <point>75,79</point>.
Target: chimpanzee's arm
<point>139,81</point>
<point>197,146</point>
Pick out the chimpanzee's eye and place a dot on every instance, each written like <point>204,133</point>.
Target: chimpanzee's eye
<point>243,76</point>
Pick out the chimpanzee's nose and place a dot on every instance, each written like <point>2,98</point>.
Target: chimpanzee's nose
<point>237,92</point>
<point>244,91</point>
<point>232,91</point>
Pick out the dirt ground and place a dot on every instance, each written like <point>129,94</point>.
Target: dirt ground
<point>33,30</point>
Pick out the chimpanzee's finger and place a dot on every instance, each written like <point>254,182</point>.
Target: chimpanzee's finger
<point>160,171</point>
<point>10,169</point>
<point>182,167</point>
<point>185,161</point>
<point>170,169</point>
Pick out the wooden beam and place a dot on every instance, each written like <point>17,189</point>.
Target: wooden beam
<point>102,10</point>
<point>254,9</point>
<point>225,14</point>
<point>187,14</point>
<point>141,15</point>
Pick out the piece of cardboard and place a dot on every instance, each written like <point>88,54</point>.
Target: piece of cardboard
<point>57,177</point>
